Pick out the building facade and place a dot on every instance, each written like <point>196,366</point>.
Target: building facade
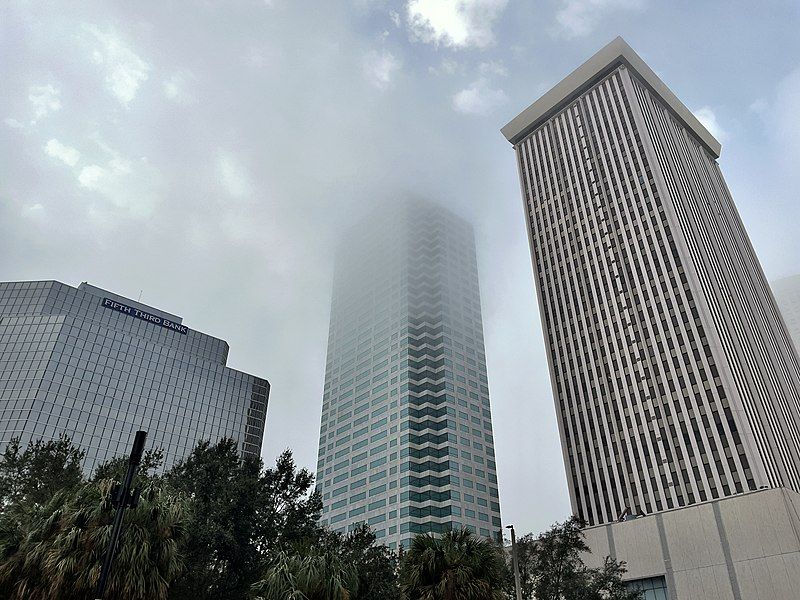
<point>406,437</point>
<point>744,547</point>
<point>787,294</point>
<point>673,374</point>
<point>97,367</point>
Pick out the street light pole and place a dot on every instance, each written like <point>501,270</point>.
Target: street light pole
<point>121,500</point>
<point>515,561</point>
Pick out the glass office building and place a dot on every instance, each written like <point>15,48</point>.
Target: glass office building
<point>406,437</point>
<point>97,367</point>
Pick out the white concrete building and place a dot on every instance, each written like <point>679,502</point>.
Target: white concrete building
<point>745,547</point>
<point>674,377</point>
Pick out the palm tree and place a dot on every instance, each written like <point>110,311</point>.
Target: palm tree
<point>57,552</point>
<point>454,566</point>
<point>314,576</point>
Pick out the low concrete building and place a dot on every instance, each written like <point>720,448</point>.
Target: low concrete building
<point>745,547</point>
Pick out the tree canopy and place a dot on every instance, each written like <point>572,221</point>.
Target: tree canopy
<point>240,513</point>
<point>31,477</point>
<point>376,565</point>
<point>207,528</point>
<point>223,527</point>
<point>454,566</point>
<point>316,574</point>
<point>551,568</point>
<point>55,527</point>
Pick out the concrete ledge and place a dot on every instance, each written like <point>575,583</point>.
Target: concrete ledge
<point>611,56</point>
<point>745,547</point>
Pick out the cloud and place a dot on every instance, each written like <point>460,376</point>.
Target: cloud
<point>380,68</point>
<point>479,98</point>
<point>45,99</point>
<point>124,70</point>
<point>177,88</point>
<point>13,123</point>
<point>784,122</point>
<point>577,18</point>
<point>708,118</point>
<point>395,17</point>
<point>128,184</point>
<point>494,67</point>
<point>233,176</point>
<point>66,154</point>
<point>448,66</point>
<point>92,176</point>
<point>34,212</point>
<point>454,23</point>
<point>124,184</point>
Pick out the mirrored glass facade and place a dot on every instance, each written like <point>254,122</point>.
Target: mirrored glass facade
<point>406,437</point>
<point>97,367</point>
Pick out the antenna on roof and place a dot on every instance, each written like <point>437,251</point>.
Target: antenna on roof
<point>140,296</point>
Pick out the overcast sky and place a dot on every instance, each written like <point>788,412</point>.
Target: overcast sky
<point>205,154</point>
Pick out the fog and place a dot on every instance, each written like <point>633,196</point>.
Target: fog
<point>206,155</point>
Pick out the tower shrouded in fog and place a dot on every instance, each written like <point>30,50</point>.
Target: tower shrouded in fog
<point>406,438</point>
<point>674,377</point>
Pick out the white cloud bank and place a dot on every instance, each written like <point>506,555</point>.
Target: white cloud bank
<point>66,154</point>
<point>380,68</point>
<point>45,99</point>
<point>708,118</point>
<point>577,18</point>
<point>479,98</point>
<point>233,176</point>
<point>125,184</point>
<point>454,23</point>
<point>178,88</point>
<point>124,70</point>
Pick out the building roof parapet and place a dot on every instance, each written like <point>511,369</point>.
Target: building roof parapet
<point>612,55</point>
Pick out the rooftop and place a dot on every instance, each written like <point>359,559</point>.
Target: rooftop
<point>100,293</point>
<point>615,53</point>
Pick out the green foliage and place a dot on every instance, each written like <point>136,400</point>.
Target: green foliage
<point>221,554</point>
<point>218,526</point>
<point>314,575</point>
<point>551,568</point>
<point>606,583</point>
<point>209,528</point>
<point>525,548</point>
<point>289,510</point>
<point>376,565</point>
<point>152,461</point>
<point>240,515</point>
<point>455,566</point>
<point>31,477</point>
<point>57,552</point>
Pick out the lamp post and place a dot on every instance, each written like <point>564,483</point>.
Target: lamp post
<point>515,561</point>
<point>122,499</point>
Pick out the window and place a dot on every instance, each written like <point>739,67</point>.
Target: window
<point>652,588</point>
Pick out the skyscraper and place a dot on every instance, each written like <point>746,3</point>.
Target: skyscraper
<point>787,294</point>
<point>674,377</point>
<point>406,437</point>
<point>97,367</point>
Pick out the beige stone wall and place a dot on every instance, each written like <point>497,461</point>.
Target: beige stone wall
<point>746,547</point>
